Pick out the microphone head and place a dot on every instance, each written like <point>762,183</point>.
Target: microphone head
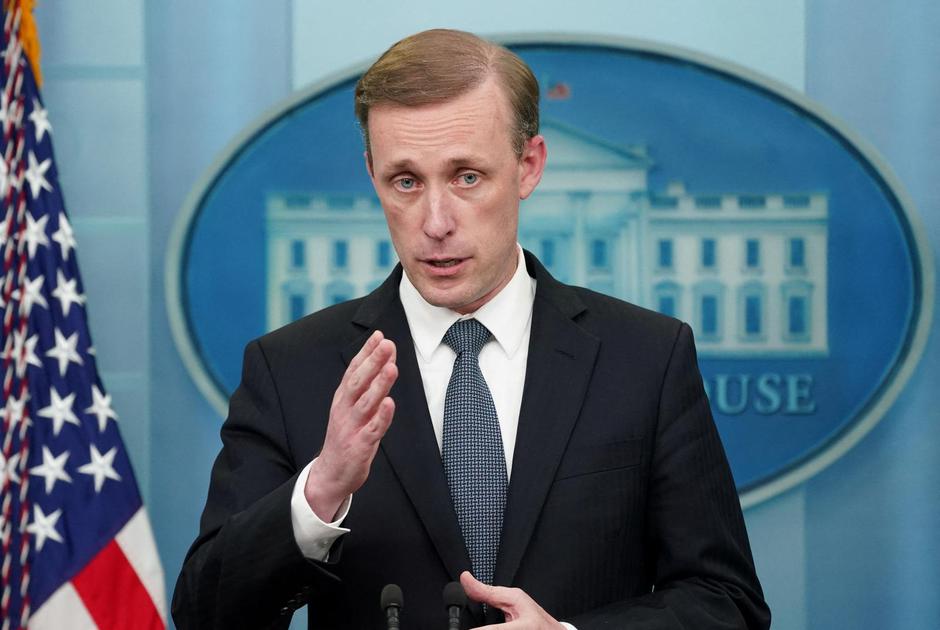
<point>454,595</point>
<point>391,596</point>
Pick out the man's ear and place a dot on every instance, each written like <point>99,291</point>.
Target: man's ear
<point>531,165</point>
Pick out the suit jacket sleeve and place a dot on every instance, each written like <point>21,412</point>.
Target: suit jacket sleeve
<point>245,569</point>
<point>697,543</point>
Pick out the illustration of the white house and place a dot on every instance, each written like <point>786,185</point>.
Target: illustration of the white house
<point>747,271</point>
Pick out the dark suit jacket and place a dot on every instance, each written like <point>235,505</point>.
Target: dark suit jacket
<point>621,513</point>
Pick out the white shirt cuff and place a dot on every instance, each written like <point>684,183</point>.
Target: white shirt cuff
<point>313,536</point>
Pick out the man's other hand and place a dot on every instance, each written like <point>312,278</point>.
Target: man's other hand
<point>360,415</point>
<point>522,613</point>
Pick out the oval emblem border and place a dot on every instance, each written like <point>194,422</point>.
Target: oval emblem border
<point>881,399</point>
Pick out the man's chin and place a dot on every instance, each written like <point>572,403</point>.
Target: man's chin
<point>443,299</point>
<point>454,297</point>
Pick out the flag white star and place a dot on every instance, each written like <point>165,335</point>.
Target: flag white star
<point>43,527</point>
<point>40,119</point>
<point>59,411</point>
<point>100,467</point>
<point>101,407</point>
<point>52,468</point>
<point>35,233</point>
<point>31,294</point>
<point>36,174</point>
<point>65,350</point>
<point>12,412</point>
<point>24,352</point>
<point>8,468</point>
<point>64,236</point>
<point>66,292</point>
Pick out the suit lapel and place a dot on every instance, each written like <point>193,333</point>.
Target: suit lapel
<point>559,368</point>
<point>410,445</point>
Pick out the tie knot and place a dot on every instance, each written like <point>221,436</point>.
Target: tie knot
<point>467,335</point>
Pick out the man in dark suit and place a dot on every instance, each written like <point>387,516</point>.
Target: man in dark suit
<point>577,424</point>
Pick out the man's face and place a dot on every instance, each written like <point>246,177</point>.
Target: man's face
<point>450,185</point>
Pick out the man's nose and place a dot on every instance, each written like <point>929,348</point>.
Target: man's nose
<point>438,215</point>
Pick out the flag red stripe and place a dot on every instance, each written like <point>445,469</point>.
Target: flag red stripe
<point>114,595</point>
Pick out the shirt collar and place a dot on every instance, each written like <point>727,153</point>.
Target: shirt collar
<point>506,315</point>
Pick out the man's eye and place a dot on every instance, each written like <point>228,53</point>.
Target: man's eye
<point>469,179</point>
<point>406,183</point>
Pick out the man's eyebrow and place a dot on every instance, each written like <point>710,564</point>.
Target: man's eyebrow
<point>406,164</point>
<point>466,160</point>
<point>398,165</point>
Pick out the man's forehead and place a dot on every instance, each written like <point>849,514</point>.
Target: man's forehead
<point>487,101</point>
<point>466,129</point>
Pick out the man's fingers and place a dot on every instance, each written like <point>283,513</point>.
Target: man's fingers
<point>521,610</point>
<point>357,380</point>
<point>365,350</point>
<point>475,589</point>
<point>382,419</point>
<point>357,374</point>
<point>497,596</point>
<point>378,389</point>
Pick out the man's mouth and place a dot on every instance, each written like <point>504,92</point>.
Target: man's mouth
<point>444,262</point>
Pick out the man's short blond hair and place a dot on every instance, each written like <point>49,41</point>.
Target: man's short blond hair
<point>441,64</point>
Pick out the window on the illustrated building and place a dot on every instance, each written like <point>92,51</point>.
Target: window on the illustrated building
<point>666,298</point>
<point>752,315</point>
<point>752,253</point>
<point>709,315</point>
<point>667,305</point>
<point>298,306</point>
<point>340,254</point>
<point>298,254</point>
<point>797,257</point>
<point>797,318</point>
<point>665,253</point>
<point>383,254</point>
<point>708,253</point>
<point>599,254</point>
<point>796,314</point>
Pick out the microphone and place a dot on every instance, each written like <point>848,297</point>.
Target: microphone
<point>391,602</point>
<point>454,601</point>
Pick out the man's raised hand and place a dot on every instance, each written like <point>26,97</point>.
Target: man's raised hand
<point>360,414</point>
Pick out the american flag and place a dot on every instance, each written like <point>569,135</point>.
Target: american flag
<point>78,551</point>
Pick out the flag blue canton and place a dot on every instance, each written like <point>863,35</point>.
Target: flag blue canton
<point>67,484</point>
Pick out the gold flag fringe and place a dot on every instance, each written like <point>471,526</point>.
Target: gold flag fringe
<point>29,35</point>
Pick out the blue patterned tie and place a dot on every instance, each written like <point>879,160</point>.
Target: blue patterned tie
<point>474,462</point>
